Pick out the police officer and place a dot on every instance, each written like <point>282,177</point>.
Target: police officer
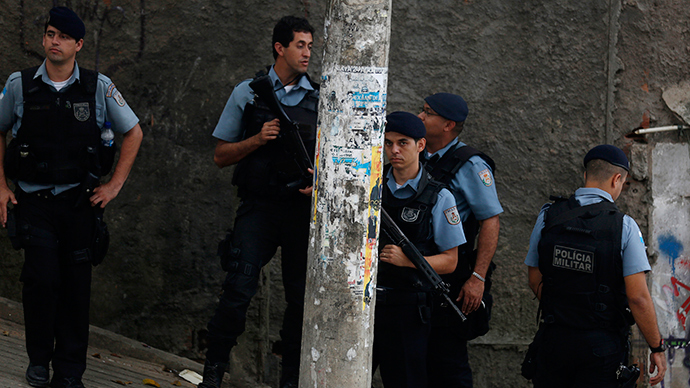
<point>426,213</point>
<point>275,203</point>
<point>587,263</point>
<point>56,112</point>
<point>468,173</point>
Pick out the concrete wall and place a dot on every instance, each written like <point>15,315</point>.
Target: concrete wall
<point>544,80</point>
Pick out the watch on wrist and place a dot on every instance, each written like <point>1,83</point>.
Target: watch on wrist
<point>659,349</point>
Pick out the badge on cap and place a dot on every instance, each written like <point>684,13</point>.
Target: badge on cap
<point>485,176</point>
<point>452,215</point>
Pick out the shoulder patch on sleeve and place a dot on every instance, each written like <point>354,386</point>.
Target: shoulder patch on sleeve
<point>452,215</point>
<point>111,88</point>
<point>485,176</point>
<point>4,90</point>
<point>118,97</point>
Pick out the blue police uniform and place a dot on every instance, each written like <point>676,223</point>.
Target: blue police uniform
<point>265,220</point>
<point>474,189</point>
<point>57,272</point>
<point>633,249</point>
<point>590,353</point>
<point>230,128</point>
<point>110,106</point>
<point>402,322</point>
<point>473,186</point>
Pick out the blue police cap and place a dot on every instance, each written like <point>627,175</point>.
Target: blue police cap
<point>609,153</point>
<point>65,20</point>
<point>405,123</point>
<point>448,105</point>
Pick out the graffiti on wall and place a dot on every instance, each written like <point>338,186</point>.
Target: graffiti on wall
<point>674,305</point>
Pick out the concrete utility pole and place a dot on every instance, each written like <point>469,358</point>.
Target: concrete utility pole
<point>341,275</point>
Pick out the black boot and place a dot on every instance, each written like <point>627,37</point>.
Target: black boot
<point>37,375</point>
<point>66,382</point>
<point>213,375</point>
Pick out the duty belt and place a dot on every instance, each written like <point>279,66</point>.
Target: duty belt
<point>391,296</point>
<point>47,194</point>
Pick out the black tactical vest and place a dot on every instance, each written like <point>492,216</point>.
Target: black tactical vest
<point>58,140</point>
<point>581,265</point>
<point>270,172</point>
<point>413,216</point>
<point>444,170</point>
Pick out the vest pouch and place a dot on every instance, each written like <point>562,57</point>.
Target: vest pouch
<point>20,162</point>
<point>12,160</point>
<point>106,157</point>
<point>227,252</point>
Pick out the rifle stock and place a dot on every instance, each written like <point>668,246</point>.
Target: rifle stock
<point>429,274</point>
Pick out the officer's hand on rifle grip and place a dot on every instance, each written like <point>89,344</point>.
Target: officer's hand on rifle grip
<point>269,131</point>
<point>309,189</point>
<point>393,254</point>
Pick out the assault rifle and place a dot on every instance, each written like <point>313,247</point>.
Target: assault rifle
<point>289,131</point>
<point>429,274</point>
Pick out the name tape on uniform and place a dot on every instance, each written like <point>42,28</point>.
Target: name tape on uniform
<point>573,259</point>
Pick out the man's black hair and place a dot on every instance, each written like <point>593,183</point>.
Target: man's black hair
<point>284,31</point>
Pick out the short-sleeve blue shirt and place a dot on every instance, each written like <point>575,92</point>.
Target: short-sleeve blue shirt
<point>110,106</point>
<point>632,244</point>
<point>446,234</point>
<point>473,187</point>
<point>229,127</point>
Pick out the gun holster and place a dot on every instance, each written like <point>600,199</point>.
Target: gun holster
<point>86,188</point>
<point>529,364</point>
<point>15,239</point>
<point>627,376</point>
<point>227,252</point>
<point>101,238</point>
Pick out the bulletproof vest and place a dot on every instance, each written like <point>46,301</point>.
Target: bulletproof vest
<point>58,140</point>
<point>581,266</point>
<point>413,217</point>
<point>444,170</point>
<point>270,171</point>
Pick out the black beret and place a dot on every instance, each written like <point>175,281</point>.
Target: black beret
<point>449,106</point>
<point>65,20</point>
<point>609,153</point>
<point>406,124</point>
